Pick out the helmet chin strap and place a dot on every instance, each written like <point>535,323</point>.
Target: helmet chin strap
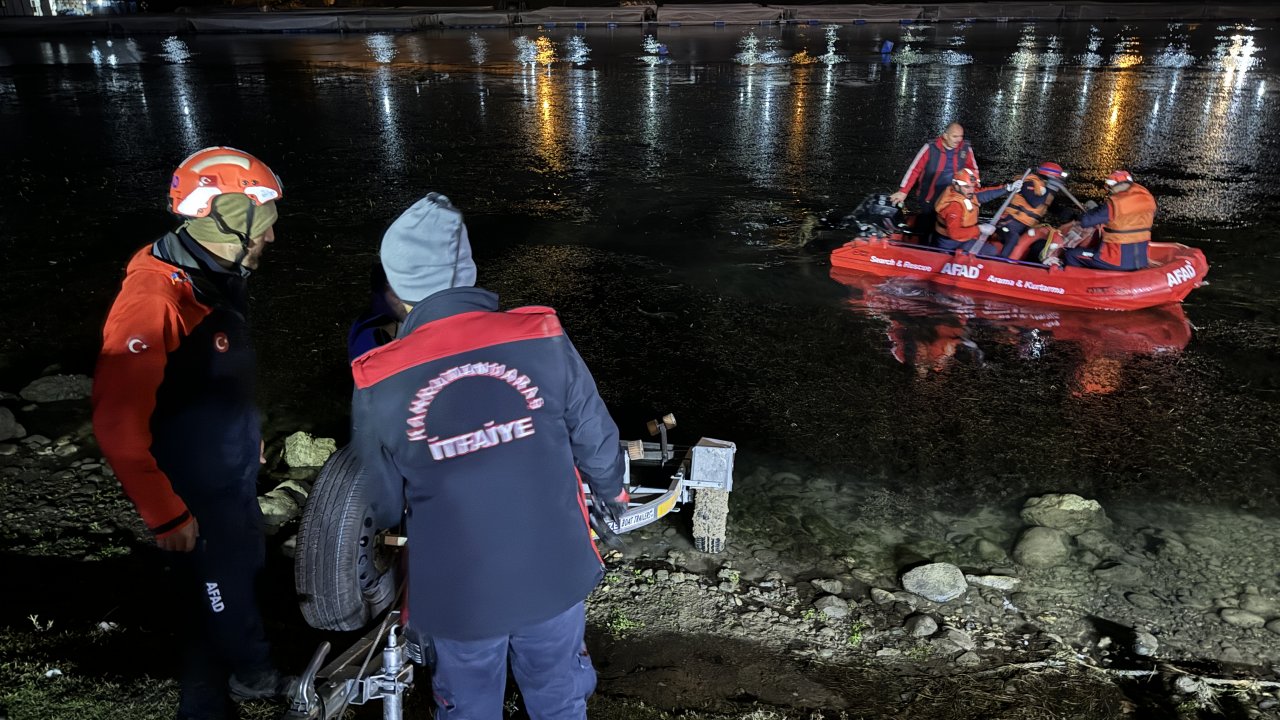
<point>244,238</point>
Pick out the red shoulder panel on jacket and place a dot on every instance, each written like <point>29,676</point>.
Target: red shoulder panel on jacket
<point>533,310</point>
<point>452,336</point>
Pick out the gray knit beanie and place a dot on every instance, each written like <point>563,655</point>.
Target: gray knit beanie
<point>426,250</point>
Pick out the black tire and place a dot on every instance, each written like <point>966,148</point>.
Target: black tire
<point>343,577</point>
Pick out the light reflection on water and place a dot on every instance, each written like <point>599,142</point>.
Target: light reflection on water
<point>175,50</point>
<point>683,156</point>
<point>382,46</point>
<point>479,49</point>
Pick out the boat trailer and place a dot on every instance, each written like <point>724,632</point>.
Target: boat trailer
<point>702,475</point>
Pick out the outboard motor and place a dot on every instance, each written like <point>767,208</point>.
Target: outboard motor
<point>877,216</point>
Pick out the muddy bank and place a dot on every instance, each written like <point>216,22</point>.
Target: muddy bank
<point>832,599</point>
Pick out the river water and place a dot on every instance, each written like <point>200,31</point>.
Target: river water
<point>666,192</point>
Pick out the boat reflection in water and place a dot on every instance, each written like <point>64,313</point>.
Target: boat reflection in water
<point>930,327</point>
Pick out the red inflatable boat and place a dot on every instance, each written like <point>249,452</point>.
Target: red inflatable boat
<point>884,249</point>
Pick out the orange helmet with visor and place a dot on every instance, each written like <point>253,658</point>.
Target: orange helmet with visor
<point>213,171</point>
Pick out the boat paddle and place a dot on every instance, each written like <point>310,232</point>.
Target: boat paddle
<point>982,239</point>
<point>1073,199</point>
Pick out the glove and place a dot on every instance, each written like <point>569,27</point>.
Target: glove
<point>1090,204</point>
<point>1014,186</point>
<point>987,229</point>
<point>606,515</point>
<point>612,510</point>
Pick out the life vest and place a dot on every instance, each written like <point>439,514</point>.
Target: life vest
<point>1129,216</point>
<point>968,220</point>
<point>1021,208</point>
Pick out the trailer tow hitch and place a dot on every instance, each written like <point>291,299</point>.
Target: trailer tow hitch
<point>324,694</point>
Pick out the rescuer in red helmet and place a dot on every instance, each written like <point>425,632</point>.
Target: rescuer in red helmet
<point>1028,209</point>
<point>1126,218</point>
<point>174,413</point>
<point>957,211</point>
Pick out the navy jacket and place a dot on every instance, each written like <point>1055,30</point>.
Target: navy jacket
<point>474,420</point>
<point>934,167</point>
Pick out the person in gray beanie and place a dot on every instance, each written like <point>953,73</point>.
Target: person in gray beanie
<point>480,423</point>
<point>426,250</point>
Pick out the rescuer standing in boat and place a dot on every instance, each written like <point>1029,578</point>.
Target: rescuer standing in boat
<point>931,172</point>
<point>174,413</point>
<point>1028,209</point>
<point>1126,218</point>
<point>957,211</point>
<point>479,421</point>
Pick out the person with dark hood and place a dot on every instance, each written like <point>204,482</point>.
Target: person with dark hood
<point>174,413</point>
<point>483,424</point>
<point>380,322</point>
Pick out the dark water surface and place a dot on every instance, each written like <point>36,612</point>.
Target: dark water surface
<point>667,204</point>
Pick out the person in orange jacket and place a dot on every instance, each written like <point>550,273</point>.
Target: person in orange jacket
<point>957,212</point>
<point>174,413</point>
<point>1126,218</point>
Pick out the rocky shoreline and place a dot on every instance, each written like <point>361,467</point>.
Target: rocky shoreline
<point>832,598</point>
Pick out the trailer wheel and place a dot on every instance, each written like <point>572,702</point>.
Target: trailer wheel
<point>343,577</point>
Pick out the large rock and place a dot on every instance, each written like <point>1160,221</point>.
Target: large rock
<point>1070,513</point>
<point>1120,574</point>
<point>939,582</point>
<point>828,585</point>
<point>832,606</point>
<point>9,426</point>
<point>1242,618</point>
<point>1256,604</point>
<point>1003,583</point>
<point>283,503</point>
<point>302,450</point>
<point>1098,543</point>
<point>951,640</point>
<point>1042,547</point>
<point>990,552</point>
<point>921,626</point>
<point>1145,644</point>
<point>53,388</point>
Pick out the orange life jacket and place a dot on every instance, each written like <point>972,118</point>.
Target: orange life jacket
<point>1020,208</point>
<point>1129,216</point>
<point>970,219</point>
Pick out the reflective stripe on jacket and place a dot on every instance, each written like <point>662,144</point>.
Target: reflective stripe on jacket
<point>934,167</point>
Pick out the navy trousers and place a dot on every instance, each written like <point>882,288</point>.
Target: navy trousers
<point>989,248</point>
<point>549,661</point>
<point>1132,257</point>
<point>218,581</point>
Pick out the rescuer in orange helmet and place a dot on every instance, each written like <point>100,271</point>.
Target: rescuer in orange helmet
<point>957,211</point>
<point>174,413</point>
<point>1126,218</point>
